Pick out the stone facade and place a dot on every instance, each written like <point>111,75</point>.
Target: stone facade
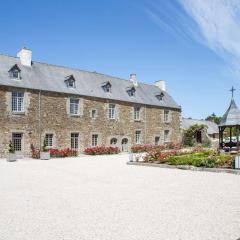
<point>48,112</point>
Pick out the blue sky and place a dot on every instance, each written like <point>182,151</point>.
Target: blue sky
<point>192,44</point>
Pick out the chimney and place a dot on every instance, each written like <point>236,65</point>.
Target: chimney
<point>161,84</point>
<point>133,79</point>
<point>25,56</point>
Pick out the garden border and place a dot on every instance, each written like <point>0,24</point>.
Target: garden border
<point>186,167</point>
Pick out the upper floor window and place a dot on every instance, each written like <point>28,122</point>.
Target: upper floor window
<point>138,137</point>
<point>94,140</point>
<point>166,116</point>
<point>74,106</point>
<point>137,113</point>
<point>111,111</point>
<point>131,91</point>
<point>14,72</point>
<point>70,81</point>
<point>93,113</point>
<point>18,102</point>
<point>107,87</point>
<point>160,96</point>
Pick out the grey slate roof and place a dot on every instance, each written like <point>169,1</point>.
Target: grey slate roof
<point>47,77</point>
<point>211,126</point>
<point>232,115</point>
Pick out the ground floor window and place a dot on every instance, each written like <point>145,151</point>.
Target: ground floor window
<point>49,140</point>
<point>166,135</point>
<point>113,141</point>
<point>17,141</point>
<point>157,140</point>
<point>94,140</point>
<point>138,137</point>
<point>74,140</point>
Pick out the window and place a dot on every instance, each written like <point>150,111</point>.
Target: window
<point>113,141</point>
<point>94,140</point>
<point>157,140</point>
<point>70,81</point>
<point>166,135</point>
<point>49,140</point>
<point>131,91</point>
<point>18,102</point>
<point>111,111</point>
<point>138,137</point>
<point>94,114</point>
<point>160,96</point>
<point>166,116</point>
<point>137,113</point>
<point>74,140</point>
<point>14,72</point>
<point>107,87</point>
<point>74,106</point>
<point>17,141</point>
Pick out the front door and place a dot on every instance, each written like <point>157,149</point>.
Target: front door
<point>17,143</point>
<point>125,145</point>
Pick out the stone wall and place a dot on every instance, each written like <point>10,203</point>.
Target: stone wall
<point>55,118</point>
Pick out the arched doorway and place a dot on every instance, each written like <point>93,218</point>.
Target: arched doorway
<point>124,145</point>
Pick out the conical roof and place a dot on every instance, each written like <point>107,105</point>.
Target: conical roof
<point>232,115</point>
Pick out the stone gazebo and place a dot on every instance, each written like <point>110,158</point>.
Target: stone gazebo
<point>231,120</point>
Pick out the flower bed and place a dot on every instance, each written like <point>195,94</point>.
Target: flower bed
<point>198,157</point>
<point>149,147</point>
<point>60,153</point>
<point>101,150</point>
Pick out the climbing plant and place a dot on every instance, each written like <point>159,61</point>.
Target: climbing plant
<point>190,134</point>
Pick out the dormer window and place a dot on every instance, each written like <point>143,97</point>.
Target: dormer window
<point>14,72</point>
<point>70,81</point>
<point>106,86</point>
<point>160,96</point>
<point>131,91</point>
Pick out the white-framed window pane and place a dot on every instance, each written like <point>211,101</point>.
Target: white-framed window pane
<point>74,140</point>
<point>74,106</point>
<point>111,111</point>
<point>94,140</point>
<point>17,141</point>
<point>138,137</point>
<point>166,135</point>
<point>17,101</point>
<point>136,113</point>
<point>94,114</point>
<point>49,140</point>
<point>166,115</point>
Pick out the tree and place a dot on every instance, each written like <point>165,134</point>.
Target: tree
<point>214,118</point>
<point>190,134</point>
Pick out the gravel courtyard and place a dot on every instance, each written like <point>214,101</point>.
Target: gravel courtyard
<point>93,198</point>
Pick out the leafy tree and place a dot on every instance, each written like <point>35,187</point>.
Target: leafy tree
<point>214,118</point>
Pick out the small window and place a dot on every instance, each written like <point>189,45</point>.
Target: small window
<point>166,135</point>
<point>94,114</point>
<point>111,111</point>
<point>17,102</point>
<point>74,106</point>
<point>157,140</point>
<point>131,91</point>
<point>94,140</point>
<point>137,113</point>
<point>107,87</point>
<point>74,140</point>
<point>138,137</point>
<point>166,117</point>
<point>14,72</point>
<point>160,96</point>
<point>113,141</point>
<point>49,140</point>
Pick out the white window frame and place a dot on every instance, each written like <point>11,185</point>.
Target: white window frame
<point>74,104</point>
<point>75,140</point>
<point>137,113</point>
<point>18,102</point>
<point>166,138</point>
<point>92,115</point>
<point>111,111</point>
<point>166,116</point>
<point>94,140</point>
<point>17,141</point>
<point>138,137</point>
<point>49,140</point>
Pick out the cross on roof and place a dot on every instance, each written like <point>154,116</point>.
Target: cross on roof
<point>232,90</point>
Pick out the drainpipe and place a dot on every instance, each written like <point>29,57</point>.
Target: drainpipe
<point>145,124</point>
<point>39,120</point>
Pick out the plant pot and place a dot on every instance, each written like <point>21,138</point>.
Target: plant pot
<point>12,157</point>
<point>44,155</point>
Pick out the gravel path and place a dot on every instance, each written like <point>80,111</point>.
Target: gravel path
<point>102,198</point>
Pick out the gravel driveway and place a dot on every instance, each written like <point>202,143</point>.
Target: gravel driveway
<point>93,198</point>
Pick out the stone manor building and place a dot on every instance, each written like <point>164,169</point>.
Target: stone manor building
<point>77,109</point>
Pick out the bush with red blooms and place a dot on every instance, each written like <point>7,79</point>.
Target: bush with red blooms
<point>101,150</point>
<point>60,153</point>
<point>149,147</point>
<point>35,152</point>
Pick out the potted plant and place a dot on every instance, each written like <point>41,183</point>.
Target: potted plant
<point>11,153</point>
<point>44,154</point>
